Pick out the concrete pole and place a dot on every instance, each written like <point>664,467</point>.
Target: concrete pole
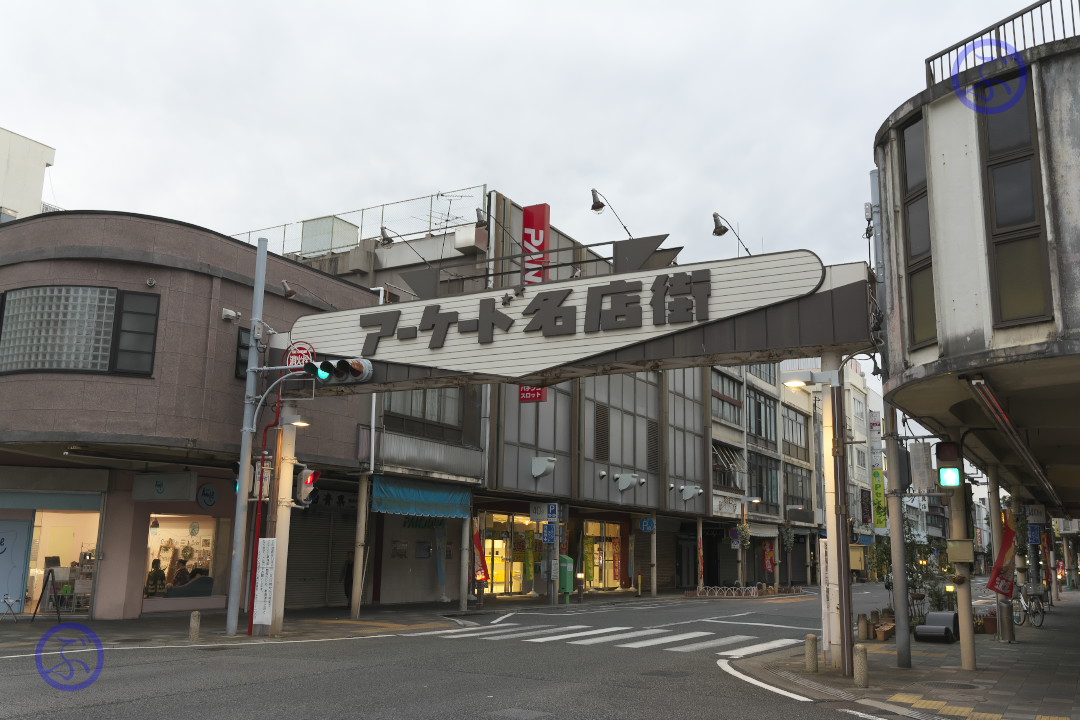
<point>652,557</point>
<point>356,595</point>
<point>1005,631</point>
<point>466,544</point>
<point>283,513</point>
<point>247,433</point>
<point>838,641</point>
<point>1054,583</point>
<point>959,531</point>
<point>896,541</point>
<point>700,556</point>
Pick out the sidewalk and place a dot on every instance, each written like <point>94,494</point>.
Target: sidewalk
<point>314,624</point>
<point>1035,678</point>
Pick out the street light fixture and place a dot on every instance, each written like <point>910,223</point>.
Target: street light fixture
<point>598,207</point>
<point>720,229</point>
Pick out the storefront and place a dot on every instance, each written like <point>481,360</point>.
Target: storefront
<point>49,540</point>
<point>605,554</point>
<point>513,550</point>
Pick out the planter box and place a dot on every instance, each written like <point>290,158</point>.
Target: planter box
<point>990,625</point>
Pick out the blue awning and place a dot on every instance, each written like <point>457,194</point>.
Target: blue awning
<point>401,496</point>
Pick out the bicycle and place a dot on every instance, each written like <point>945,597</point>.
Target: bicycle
<point>1025,609</point>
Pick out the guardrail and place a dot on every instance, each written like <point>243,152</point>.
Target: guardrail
<point>1037,24</point>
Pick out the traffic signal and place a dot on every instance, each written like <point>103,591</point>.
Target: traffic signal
<point>950,464</point>
<point>303,484</point>
<point>348,371</point>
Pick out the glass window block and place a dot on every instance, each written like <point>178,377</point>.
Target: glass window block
<point>57,328</point>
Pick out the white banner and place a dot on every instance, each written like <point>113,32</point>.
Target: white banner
<point>264,582</point>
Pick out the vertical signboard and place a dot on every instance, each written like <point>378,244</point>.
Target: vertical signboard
<point>263,605</point>
<point>875,440</point>
<point>536,228</point>
<point>15,537</point>
<point>880,509</point>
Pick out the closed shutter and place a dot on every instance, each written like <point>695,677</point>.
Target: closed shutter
<point>665,560</point>
<point>320,538</point>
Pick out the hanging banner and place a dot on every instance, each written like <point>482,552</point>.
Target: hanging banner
<point>881,515</point>
<point>530,553</point>
<point>590,548</point>
<point>1001,580</point>
<point>616,559</point>
<point>480,566</point>
<point>770,555</point>
<point>440,553</point>
<point>700,563</point>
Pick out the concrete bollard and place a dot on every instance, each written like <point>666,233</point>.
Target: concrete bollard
<point>864,627</point>
<point>194,625</point>
<point>861,674</point>
<point>811,653</point>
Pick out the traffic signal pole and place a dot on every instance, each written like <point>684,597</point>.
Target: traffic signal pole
<point>283,464</point>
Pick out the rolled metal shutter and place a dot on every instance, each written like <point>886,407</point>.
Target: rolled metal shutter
<point>320,538</point>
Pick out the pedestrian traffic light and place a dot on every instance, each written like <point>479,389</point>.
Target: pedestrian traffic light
<point>348,371</point>
<point>950,464</point>
<point>303,484</point>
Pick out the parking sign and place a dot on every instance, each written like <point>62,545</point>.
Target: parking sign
<point>553,512</point>
<point>549,533</point>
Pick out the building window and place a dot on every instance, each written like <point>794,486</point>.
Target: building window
<point>727,466</point>
<point>88,329</point>
<point>796,435</point>
<point>1019,266</point>
<point>432,413</point>
<point>799,489</point>
<point>765,371</point>
<point>859,405</point>
<point>922,311</point>
<point>726,398</point>
<point>762,479</point>
<point>761,419</point>
<point>860,458</point>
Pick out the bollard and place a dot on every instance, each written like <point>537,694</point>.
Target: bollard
<point>811,653</point>
<point>864,627</point>
<point>193,626</point>
<point>861,676</point>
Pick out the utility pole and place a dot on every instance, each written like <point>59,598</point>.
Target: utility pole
<point>247,433</point>
<point>896,541</point>
<point>958,530</point>
<point>283,463</point>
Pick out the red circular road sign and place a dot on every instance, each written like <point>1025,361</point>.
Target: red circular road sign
<point>299,353</point>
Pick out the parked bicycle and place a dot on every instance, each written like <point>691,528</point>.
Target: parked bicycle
<point>1028,608</point>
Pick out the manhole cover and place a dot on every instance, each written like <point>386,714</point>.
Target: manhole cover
<point>667,673</point>
<point>949,685</point>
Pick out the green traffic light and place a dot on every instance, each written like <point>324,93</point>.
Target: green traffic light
<point>949,477</point>
<point>317,371</point>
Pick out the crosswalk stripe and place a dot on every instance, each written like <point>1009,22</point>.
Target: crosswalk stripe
<point>665,640</point>
<point>612,638</point>
<point>530,633</point>
<point>711,643</point>
<point>761,647</point>
<point>450,632</point>
<point>577,634</point>
<point>486,630</point>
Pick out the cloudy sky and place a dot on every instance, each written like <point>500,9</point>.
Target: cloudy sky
<point>238,115</point>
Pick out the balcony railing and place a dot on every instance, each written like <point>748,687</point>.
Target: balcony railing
<point>1040,23</point>
<point>423,456</point>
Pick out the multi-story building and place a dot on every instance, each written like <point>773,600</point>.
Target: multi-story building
<point>23,163</point>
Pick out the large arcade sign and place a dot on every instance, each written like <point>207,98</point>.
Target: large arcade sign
<point>679,316</point>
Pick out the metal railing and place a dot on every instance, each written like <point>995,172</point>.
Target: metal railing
<point>405,219</point>
<point>1038,24</point>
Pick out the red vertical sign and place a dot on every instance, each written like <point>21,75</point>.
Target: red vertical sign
<point>536,227</point>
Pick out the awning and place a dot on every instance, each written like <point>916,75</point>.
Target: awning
<point>762,530</point>
<point>401,496</point>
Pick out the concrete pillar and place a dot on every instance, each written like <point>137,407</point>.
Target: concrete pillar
<point>283,508</point>
<point>700,556</point>
<point>652,557</point>
<point>896,540</point>
<point>997,530</point>
<point>958,531</point>
<point>836,540</point>
<point>466,545</point>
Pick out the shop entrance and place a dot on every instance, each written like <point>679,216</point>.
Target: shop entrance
<point>65,542</point>
<point>512,546</point>
<point>603,555</point>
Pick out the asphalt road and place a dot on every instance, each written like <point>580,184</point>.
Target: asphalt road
<point>640,659</point>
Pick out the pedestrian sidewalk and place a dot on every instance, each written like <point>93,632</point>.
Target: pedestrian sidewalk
<point>313,625</point>
<point>1035,678</point>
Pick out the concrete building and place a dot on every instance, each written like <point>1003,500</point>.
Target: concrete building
<point>23,163</point>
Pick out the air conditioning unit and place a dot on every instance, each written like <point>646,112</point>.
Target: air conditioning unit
<point>470,240</point>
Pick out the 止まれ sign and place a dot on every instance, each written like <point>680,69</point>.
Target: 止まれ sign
<point>514,333</point>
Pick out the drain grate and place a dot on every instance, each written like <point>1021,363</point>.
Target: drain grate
<point>949,685</point>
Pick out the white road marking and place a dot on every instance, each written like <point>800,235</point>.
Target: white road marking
<point>760,648</point>
<point>500,619</point>
<point>578,634</point>
<point>204,645</point>
<point>449,632</point>
<point>482,631</point>
<point>856,713</point>
<point>726,667</point>
<point>711,643</point>
<point>772,625</point>
<point>530,633</point>
<point>612,638</point>
<point>665,640</point>
<point>712,619</point>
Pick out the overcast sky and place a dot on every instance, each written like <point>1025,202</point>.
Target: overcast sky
<point>241,115</point>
